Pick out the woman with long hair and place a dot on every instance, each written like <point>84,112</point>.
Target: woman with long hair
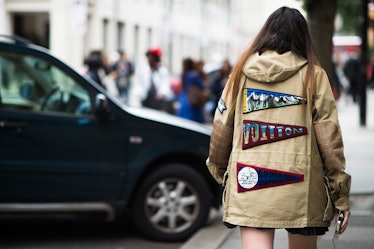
<point>192,83</point>
<point>276,144</point>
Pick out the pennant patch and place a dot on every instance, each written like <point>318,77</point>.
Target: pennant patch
<point>255,100</point>
<point>257,133</point>
<point>252,177</point>
<point>221,105</point>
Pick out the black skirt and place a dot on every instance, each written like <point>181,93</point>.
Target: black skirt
<point>307,231</point>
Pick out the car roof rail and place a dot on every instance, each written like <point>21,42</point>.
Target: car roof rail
<point>17,39</point>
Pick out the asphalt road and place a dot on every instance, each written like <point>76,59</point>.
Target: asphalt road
<point>67,233</point>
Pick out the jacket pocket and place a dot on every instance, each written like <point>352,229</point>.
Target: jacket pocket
<point>329,209</point>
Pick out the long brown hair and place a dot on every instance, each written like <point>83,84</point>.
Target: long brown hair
<point>285,30</point>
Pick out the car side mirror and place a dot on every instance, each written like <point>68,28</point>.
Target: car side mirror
<point>101,107</point>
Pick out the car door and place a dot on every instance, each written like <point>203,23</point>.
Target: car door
<point>52,146</point>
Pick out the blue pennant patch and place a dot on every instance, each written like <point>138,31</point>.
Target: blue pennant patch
<point>257,133</point>
<point>252,177</point>
<point>255,100</point>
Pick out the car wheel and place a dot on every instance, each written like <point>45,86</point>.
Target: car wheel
<point>171,204</point>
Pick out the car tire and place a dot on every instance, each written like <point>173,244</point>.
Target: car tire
<point>171,204</point>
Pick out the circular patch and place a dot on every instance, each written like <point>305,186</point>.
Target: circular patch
<point>247,177</point>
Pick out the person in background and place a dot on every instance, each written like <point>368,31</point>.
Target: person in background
<point>98,70</point>
<point>125,69</point>
<point>276,143</point>
<point>199,66</point>
<point>218,84</point>
<point>371,73</point>
<point>191,79</point>
<point>152,83</point>
<point>95,66</point>
<point>352,73</point>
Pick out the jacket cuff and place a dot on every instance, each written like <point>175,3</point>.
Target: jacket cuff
<point>216,171</point>
<point>342,203</point>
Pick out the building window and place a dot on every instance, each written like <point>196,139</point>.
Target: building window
<point>149,37</point>
<point>105,33</point>
<point>120,35</point>
<point>136,41</point>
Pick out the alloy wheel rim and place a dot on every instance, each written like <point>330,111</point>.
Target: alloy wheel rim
<point>172,205</point>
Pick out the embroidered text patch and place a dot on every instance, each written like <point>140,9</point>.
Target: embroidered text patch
<point>257,133</point>
<point>255,100</point>
<point>252,177</point>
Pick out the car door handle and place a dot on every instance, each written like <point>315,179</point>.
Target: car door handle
<point>4,124</point>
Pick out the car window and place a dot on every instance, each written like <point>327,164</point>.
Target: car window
<point>31,83</point>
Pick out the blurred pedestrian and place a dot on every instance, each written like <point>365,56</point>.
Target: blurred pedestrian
<point>276,143</point>
<point>336,84</point>
<point>95,66</point>
<point>371,73</point>
<point>199,67</point>
<point>193,96</point>
<point>352,73</point>
<point>98,70</point>
<point>125,69</point>
<point>152,86</point>
<point>218,84</point>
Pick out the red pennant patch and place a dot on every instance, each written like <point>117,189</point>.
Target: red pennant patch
<point>253,177</point>
<point>257,133</point>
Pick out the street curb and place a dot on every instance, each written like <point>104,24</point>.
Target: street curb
<point>210,237</point>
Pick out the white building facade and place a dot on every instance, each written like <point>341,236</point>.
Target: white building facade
<point>210,30</point>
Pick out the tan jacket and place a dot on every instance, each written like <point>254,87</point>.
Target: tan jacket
<point>279,153</point>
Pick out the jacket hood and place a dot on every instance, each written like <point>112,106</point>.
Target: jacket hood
<point>272,67</point>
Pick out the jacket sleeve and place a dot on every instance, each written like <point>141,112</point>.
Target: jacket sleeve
<point>222,135</point>
<point>330,142</point>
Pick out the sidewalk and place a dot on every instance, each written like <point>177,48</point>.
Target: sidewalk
<point>359,144</point>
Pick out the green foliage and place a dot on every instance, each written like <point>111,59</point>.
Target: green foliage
<point>350,12</point>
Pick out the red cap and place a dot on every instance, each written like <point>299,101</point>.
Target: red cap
<point>156,51</point>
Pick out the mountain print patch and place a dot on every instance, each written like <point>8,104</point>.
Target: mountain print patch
<point>255,99</point>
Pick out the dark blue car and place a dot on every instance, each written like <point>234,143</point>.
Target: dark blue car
<point>66,146</point>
